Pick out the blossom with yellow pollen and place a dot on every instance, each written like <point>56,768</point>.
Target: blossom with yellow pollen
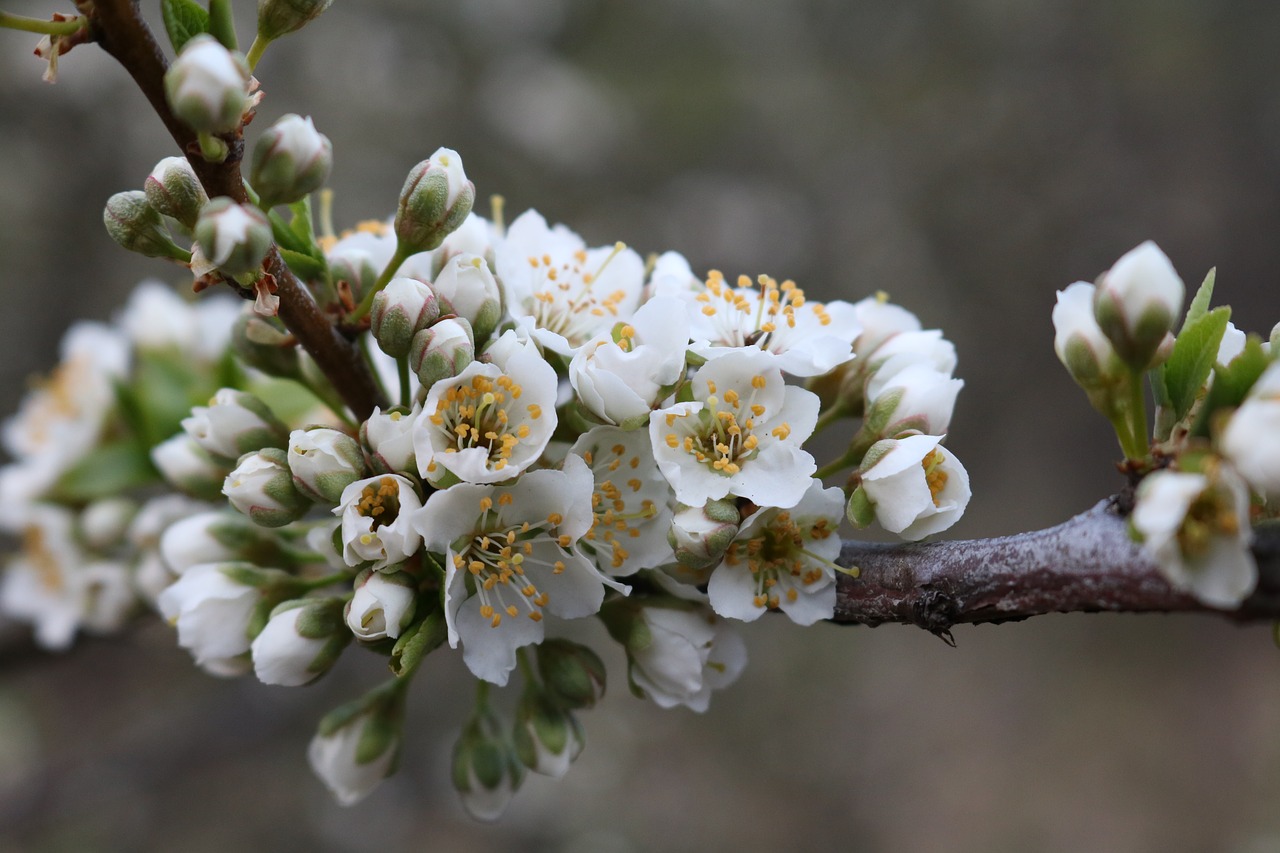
<point>510,558</point>
<point>559,291</point>
<point>491,421</point>
<point>741,435</point>
<point>802,336</point>
<point>377,521</point>
<point>630,503</point>
<point>913,487</point>
<point>783,559</point>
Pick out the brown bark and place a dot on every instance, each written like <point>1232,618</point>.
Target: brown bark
<point>1085,565</point>
<point>118,27</point>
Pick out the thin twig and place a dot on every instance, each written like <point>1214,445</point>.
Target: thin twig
<point>118,27</point>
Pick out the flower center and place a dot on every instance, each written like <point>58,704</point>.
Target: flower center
<point>934,475</point>
<point>380,501</point>
<point>565,301</point>
<point>1210,515</point>
<point>497,556</point>
<point>759,315</point>
<point>480,415</point>
<point>722,434</point>
<point>779,552</point>
<point>614,523</point>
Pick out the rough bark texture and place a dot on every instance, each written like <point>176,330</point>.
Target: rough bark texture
<point>120,31</point>
<point>1085,565</point>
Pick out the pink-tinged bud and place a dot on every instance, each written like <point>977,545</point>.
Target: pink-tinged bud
<point>173,189</point>
<point>403,308</point>
<point>290,161</point>
<point>207,86</point>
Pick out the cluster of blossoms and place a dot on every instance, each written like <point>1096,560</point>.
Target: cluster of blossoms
<point>1210,469</point>
<point>577,431</point>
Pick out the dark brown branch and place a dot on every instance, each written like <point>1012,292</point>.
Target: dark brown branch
<point>118,27</point>
<point>1085,565</point>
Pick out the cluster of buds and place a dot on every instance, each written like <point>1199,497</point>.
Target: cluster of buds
<point>1211,464</point>
<point>577,434</point>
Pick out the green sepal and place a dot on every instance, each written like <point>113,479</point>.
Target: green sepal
<point>1231,383</point>
<point>861,510</point>
<point>107,470</point>
<point>416,643</point>
<point>570,673</point>
<point>183,21</point>
<point>304,266</point>
<point>1189,365</point>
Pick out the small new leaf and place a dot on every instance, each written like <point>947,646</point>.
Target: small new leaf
<point>1192,358</point>
<point>183,20</point>
<point>1200,304</point>
<point>304,267</point>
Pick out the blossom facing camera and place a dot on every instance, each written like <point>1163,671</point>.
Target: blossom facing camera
<point>434,201</point>
<point>207,86</point>
<point>291,160</point>
<point>1136,303</point>
<point>1195,526</point>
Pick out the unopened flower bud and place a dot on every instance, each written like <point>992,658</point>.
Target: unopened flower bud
<point>403,308</point>
<point>105,522</point>
<point>469,286</point>
<point>434,201</point>
<point>137,226</point>
<point>355,267</point>
<point>442,351</point>
<point>324,462</point>
<point>261,487</point>
<point>1136,303</point>
<point>486,771</point>
<point>208,86</point>
<point>700,535</point>
<point>1078,340</point>
<point>173,189</point>
<point>234,237</point>
<point>264,344</point>
<point>300,642</point>
<point>572,674</point>
<point>388,436</point>
<point>383,604</point>
<point>188,467</point>
<point>215,536</point>
<point>547,737</point>
<point>281,17</point>
<point>233,424</point>
<point>290,161</point>
<point>356,745</point>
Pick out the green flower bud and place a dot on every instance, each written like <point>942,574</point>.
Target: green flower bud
<point>435,199</point>
<point>547,737</point>
<point>207,86</point>
<point>261,487</point>
<point>173,189</point>
<point>1136,303</point>
<point>700,535</point>
<point>356,268</point>
<point>441,351</point>
<point>290,161</point>
<point>403,308</point>
<point>486,771</point>
<point>235,423</point>
<point>187,466</point>
<point>469,286</point>
<point>234,237</point>
<point>324,462</point>
<point>263,344</point>
<point>137,226</point>
<point>300,642</point>
<point>572,674</point>
<point>280,17</point>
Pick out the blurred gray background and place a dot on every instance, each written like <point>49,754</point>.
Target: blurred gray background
<point>969,158</point>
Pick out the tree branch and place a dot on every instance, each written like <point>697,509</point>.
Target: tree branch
<point>118,27</point>
<point>1085,565</point>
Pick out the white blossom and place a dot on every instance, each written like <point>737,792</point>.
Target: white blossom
<point>742,435</point>
<point>388,436</point>
<point>510,559</point>
<point>335,759</point>
<point>1078,340</point>
<point>915,485</point>
<point>690,653</point>
<point>622,374</point>
<point>471,289</point>
<point>234,423</point>
<point>916,397</point>
<point>211,612</point>
<point>783,559</point>
<point>1137,301</point>
<point>382,606</point>
<point>489,423</point>
<point>1251,438</point>
<point>563,293</point>
<point>377,521</point>
<point>324,461</point>
<point>1195,526</point>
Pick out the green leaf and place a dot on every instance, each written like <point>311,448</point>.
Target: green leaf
<point>285,236</point>
<point>1192,359</point>
<point>221,24</point>
<point>183,21</point>
<point>1231,383</point>
<point>106,472</point>
<point>1200,304</point>
<point>300,225</point>
<point>304,267</point>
